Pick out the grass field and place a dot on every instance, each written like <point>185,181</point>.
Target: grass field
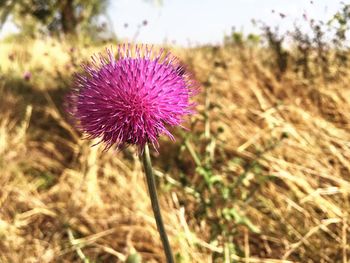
<point>262,175</point>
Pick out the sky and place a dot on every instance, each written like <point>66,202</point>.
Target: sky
<point>192,22</point>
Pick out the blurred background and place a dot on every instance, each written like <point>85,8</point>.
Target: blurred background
<point>262,174</point>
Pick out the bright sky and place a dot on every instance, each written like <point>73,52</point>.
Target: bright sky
<point>204,21</point>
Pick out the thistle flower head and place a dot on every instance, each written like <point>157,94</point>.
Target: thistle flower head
<point>131,99</point>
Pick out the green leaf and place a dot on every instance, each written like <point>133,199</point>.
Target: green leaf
<point>134,258</point>
<point>232,214</point>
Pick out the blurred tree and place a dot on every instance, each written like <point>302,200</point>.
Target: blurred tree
<point>52,16</point>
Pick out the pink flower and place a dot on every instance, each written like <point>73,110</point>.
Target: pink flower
<point>132,99</point>
<point>27,75</point>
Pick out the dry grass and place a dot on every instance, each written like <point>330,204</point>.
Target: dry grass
<point>64,201</point>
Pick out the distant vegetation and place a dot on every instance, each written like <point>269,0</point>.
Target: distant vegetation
<point>313,48</point>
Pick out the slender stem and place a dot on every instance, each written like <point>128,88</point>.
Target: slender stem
<point>155,204</point>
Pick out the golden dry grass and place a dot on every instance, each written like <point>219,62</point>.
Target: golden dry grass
<point>62,200</point>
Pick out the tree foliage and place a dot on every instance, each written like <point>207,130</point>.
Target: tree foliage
<point>52,16</point>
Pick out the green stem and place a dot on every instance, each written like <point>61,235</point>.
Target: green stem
<point>155,204</point>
